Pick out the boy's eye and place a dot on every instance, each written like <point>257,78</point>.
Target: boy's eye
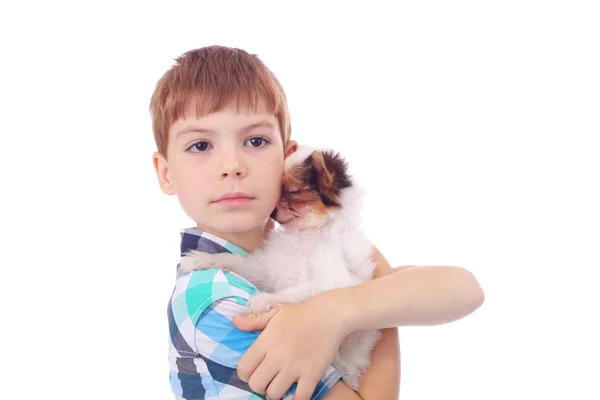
<point>199,147</point>
<point>257,141</point>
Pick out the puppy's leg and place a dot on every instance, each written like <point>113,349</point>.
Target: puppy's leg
<point>263,302</point>
<point>246,267</point>
<point>296,294</point>
<point>201,260</point>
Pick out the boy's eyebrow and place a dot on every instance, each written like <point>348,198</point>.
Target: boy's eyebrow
<point>259,124</point>
<point>193,129</point>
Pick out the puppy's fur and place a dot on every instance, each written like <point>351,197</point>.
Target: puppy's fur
<point>318,247</point>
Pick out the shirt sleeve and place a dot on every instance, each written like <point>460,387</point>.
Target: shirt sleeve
<point>218,346</point>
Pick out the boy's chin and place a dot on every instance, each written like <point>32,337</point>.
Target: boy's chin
<point>238,224</point>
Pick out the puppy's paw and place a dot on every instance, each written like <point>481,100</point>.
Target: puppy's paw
<point>262,302</point>
<point>197,260</point>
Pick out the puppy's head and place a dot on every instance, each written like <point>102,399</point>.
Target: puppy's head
<point>311,189</point>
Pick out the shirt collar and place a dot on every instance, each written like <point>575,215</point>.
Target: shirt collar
<point>195,239</point>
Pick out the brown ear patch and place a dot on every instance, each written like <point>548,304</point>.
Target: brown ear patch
<point>328,172</point>
<point>325,179</point>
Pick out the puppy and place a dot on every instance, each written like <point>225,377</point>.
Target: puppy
<point>318,247</point>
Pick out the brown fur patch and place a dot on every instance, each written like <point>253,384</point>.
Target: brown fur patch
<point>316,183</point>
<point>329,173</point>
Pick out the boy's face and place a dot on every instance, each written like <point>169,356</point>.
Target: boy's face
<point>225,154</point>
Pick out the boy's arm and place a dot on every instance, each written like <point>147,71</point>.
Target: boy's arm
<point>414,296</point>
<point>417,296</point>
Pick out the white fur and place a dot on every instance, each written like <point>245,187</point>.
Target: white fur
<point>301,154</point>
<point>293,266</point>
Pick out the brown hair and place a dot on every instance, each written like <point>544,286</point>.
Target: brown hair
<point>208,79</point>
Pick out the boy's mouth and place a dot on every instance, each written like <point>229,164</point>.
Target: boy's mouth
<point>234,195</point>
<point>234,202</point>
<point>234,199</point>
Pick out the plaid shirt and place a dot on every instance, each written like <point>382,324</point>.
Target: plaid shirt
<point>205,347</point>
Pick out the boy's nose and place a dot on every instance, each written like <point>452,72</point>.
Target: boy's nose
<point>234,168</point>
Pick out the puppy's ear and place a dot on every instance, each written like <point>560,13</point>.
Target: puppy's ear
<point>331,175</point>
<point>325,179</point>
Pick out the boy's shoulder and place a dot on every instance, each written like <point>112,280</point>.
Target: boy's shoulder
<point>195,291</point>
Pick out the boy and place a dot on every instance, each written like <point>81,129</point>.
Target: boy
<point>222,130</point>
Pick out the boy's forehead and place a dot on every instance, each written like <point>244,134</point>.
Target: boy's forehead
<point>227,118</point>
<point>233,108</point>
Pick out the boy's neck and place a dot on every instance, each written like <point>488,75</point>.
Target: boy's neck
<point>248,241</point>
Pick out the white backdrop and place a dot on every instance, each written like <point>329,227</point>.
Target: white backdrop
<point>474,127</point>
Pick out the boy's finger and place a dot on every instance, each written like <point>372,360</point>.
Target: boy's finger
<point>254,322</point>
<point>262,377</point>
<point>279,385</point>
<point>249,361</point>
<point>304,389</point>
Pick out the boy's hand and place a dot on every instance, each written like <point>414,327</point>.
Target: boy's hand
<point>298,344</point>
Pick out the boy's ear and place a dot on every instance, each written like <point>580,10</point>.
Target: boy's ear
<point>161,166</point>
<point>290,148</point>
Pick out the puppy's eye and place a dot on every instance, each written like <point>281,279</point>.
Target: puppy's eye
<point>294,190</point>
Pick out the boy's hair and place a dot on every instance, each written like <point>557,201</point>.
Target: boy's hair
<point>208,79</point>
